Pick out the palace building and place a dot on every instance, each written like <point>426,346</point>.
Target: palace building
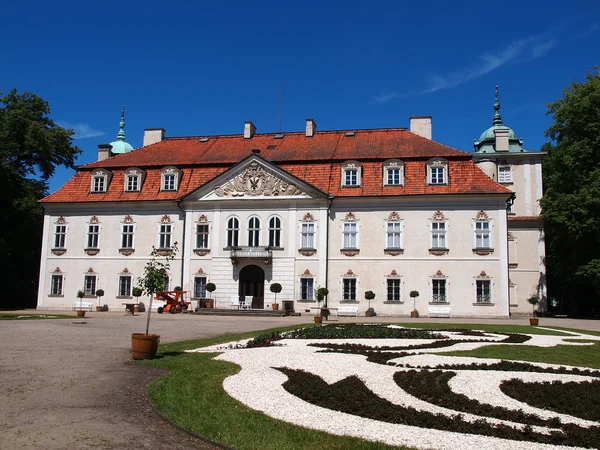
<point>386,210</point>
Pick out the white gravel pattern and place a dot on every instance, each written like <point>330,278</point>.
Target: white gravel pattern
<point>259,386</point>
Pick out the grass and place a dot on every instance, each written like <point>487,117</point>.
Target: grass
<point>33,316</point>
<point>192,394</point>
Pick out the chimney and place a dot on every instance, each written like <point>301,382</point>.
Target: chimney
<point>153,135</point>
<point>501,139</point>
<point>249,130</point>
<point>104,151</point>
<point>421,126</point>
<point>311,127</point>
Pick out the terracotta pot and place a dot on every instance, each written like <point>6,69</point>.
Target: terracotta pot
<point>136,309</point>
<point>318,319</point>
<point>414,313</point>
<point>275,306</point>
<point>534,321</point>
<point>99,309</point>
<point>144,346</point>
<point>80,313</point>
<point>209,304</point>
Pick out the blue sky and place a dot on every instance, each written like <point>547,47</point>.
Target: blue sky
<point>203,68</point>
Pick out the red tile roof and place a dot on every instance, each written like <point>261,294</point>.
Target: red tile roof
<point>316,160</point>
<point>525,217</point>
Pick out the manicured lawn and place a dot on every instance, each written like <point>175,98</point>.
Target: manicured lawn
<point>33,316</point>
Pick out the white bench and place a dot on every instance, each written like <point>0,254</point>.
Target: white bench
<point>82,306</point>
<point>438,311</point>
<point>347,310</point>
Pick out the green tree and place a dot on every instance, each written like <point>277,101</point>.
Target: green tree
<point>31,146</point>
<point>571,203</point>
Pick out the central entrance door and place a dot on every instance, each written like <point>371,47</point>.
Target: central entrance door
<point>252,283</point>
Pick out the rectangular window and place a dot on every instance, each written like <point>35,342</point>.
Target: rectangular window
<point>438,234</point>
<point>351,177</point>
<point>349,289</point>
<point>484,291</point>
<point>504,174</point>
<point>394,230</point>
<point>308,235</point>
<point>98,184</point>
<point>56,285</point>
<point>393,176</point>
<point>202,236</point>
<point>127,236</point>
<point>439,291</point>
<point>169,182</point>
<point>482,234</point>
<point>165,236</point>
<point>60,236</point>
<point>199,287</point>
<point>306,288</point>
<point>393,290</point>
<point>437,175</point>
<point>350,235</point>
<point>93,235</point>
<point>133,183</point>
<point>125,286</point>
<point>89,285</point>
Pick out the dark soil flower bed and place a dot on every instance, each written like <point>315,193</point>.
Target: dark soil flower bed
<point>353,397</point>
<point>513,366</point>
<point>576,399</point>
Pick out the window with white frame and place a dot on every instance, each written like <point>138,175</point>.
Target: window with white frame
<point>438,234</point>
<point>233,232</point>
<point>199,287</point>
<point>170,177</point>
<point>504,174</point>
<point>202,235</point>
<point>60,236</point>
<point>125,286</point>
<point>306,288</point>
<point>482,234</point>
<point>132,183</point>
<point>275,232</point>
<point>393,289</point>
<point>254,232</point>
<point>56,284</point>
<point>351,174</point>
<point>393,173</point>
<point>89,285</point>
<point>438,293</point>
<point>393,234</point>
<point>350,235</point>
<point>308,235</point>
<point>99,183</point>
<point>484,291</point>
<point>437,171</point>
<point>164,235</point>
<point>93,235</point>
<point>349,289</point>
<point>127,231</point>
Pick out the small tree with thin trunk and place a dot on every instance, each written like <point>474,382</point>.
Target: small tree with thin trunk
<point>211,287</point>
<point>99,294</point>
<point>414,295</point>
<point>275,289</point>
<point>80,295</point>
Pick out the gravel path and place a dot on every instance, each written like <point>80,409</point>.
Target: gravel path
<point>72,385</point>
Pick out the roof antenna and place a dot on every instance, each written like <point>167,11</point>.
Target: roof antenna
<point>280,106</point>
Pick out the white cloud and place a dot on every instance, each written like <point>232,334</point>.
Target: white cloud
<point>385,97</point>
<point>82,130</point>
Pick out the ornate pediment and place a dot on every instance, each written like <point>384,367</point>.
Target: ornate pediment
<point>255,181</point>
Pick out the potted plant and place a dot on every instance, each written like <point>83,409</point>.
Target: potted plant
<point>210,288</point>
<point>275,289</point>
<point>154,279</point>
<point>99,294</point>
<point>322,292</point>
<point>533,301</point>
<point>80,311</point>
<point>369,295</point>
<point>414,313</point>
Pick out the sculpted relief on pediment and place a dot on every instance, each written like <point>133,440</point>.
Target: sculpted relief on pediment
<point>255,181</point>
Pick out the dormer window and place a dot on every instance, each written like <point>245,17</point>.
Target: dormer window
<point>437,171</point>
<point>351,174</point>
<point>133,180</point>
<point>393,173</point>
<point>170,177</point>
<point>100,180</point>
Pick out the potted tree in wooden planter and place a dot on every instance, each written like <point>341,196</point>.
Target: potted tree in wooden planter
<point>414,313</point>
<point>533,301</point>
<point>369,295</point>
<point>80,311</point>
<point>99,294</point>
<point>275,289</point>
<point>153,280</point>
<point>210,288</point>
<point>322,292</point>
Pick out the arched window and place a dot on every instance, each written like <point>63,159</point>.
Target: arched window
<point>233,232</point>
<point>254,232</point>
<point>275,232</point>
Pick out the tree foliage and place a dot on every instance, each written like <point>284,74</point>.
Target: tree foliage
<point>31,146</point>
<point>571,203</point>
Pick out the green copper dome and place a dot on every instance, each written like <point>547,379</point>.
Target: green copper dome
<point>120,145</point>
<point>489,133</point>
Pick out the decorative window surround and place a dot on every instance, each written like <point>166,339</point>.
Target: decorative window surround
<point>483,290</point>
<point>393,173</point>
<point>89,283</point>
<point>254,231</point>
<point>350,235</point>
<point>438,225</point>
<point>482,237</point>
<point>275,232</point>
<point>393,235</point>
<point>439,289</point>
<point>100,181</point>
<point>125,280</point>
<point>134,179</point>
<point>165,235</point>
<point>202,247</point>
<point>307,290</point>
<point>60,237</point>
<point>200,286</point>
<point>127,236</point>
<point>394,288</point>
<point>351,174</point>
<point>169,179</point>
<point>437,172</point>
<point>56,283</point>
<point>93,237</point>
<point>308,228</point>
<point>233,232</point>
